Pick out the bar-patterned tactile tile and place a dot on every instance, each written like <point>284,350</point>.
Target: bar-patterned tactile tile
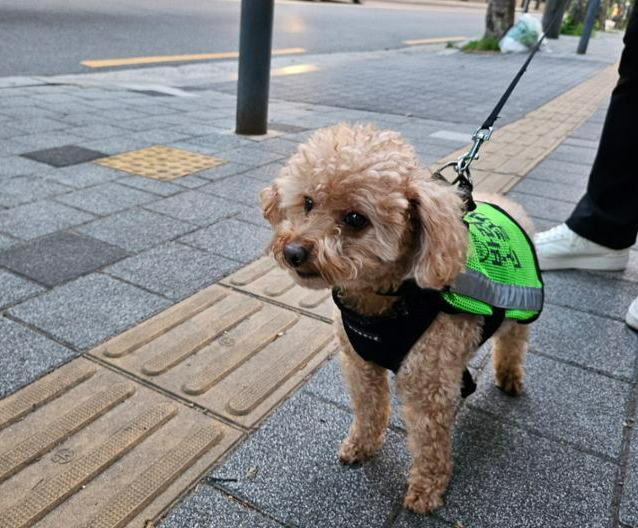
<point>87,447</point>
<point>226,351</point>
<point>160,162</point>
<point>264,278</point>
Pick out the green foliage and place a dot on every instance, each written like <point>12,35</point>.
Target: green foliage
<point>482,44</point>
<point>569,27</point>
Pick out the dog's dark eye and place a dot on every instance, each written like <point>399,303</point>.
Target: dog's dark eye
<point>355,220</point>
<point>308,204</point>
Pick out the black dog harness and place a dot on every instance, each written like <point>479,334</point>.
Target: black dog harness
<point>386,339</point>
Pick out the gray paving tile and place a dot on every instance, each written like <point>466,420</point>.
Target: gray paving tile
<point>579,142</point>
<point>40,218</point>
<point>231,238</point>
<point>266,173</point>
<point>207,507</point>
<point>504,477</point>
<point>63,156</point>
<point>25,356</point>
<point>97,131</point>
<point>240,188</point>
<point>14,289</point>
<point>82,175</point>
<point>9,147</point>
<point>558,167</point>
<point>254,156</point>
<point>107,198</point>
<point>546,208</point>
<point>550,189</point>
<point>252,215</point>
<point>136,229</point>
<point>281,145</point>
<point>161,188</point>
<point>544,173</point>
<point>89,310</point>
<point>6,242</point>
<point>195,207</point>
<point>24,189</point>
<point>589,292</point>
<point>297,474</point>
<point>629,503</point>
<point>115,145</point>
<point>223,171</point>
<point>173,270</point>
<point>596,342</point>
<point>408,519</point>
<point>60,257</point>
<point>328,385</point>
<point>38,124</point>
<point>191,182</point>
<point>561,401</point>
<point>571,153</point>
<point>17,166</point>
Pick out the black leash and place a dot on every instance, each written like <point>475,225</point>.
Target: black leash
<point>484,132</point>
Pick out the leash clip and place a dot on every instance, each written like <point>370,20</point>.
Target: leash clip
<point>479,137</point>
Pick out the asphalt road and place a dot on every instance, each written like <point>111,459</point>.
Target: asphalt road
<point>45,37</point>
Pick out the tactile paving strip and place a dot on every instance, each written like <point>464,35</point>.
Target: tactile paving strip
<point>229,352</point>
<point>160,162</point>
<point>264,278</point>
<point>97,449</point>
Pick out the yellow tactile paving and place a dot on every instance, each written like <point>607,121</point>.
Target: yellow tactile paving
<point>265,279</point>
<point>515,149</point>
<point>160,162</point>
<point>105,451</point>
<point>229,352</point>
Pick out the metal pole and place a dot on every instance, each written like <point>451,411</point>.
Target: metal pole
<point>255,42</point>
<point>590,18</point>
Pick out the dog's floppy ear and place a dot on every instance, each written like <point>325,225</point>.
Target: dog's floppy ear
<point>269,201</point>
<point>442,235</point>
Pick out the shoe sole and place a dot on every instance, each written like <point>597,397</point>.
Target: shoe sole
<point>632,321</point>
<point>598,263</point>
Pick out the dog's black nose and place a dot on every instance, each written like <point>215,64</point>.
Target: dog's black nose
<point>295,254</point>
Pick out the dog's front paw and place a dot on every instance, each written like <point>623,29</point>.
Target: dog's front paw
<point>510,381</point>
<point>353,451</point>
<point>422,500</point>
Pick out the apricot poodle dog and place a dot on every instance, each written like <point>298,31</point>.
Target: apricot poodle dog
<point>353,211</point>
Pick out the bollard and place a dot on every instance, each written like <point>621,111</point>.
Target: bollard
<point>255,42</point>
<point>590,18</point>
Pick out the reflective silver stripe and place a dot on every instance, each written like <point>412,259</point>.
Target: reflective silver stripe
<point>477,286</point>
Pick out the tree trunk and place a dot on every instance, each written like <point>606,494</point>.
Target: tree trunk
<point>499,17</point>
<point>577,11</point>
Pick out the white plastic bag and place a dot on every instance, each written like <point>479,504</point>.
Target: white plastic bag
<point>522,35</point>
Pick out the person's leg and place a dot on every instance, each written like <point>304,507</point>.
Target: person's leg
<point>608,213</point>
<point>605,221</point>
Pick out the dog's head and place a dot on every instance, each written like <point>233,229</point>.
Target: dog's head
<point>352,208</point>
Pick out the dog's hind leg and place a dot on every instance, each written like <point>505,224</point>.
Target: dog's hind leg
<point>508,349</point>
<point>370,396</point>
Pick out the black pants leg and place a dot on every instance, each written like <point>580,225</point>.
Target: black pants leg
<point>608,213</point>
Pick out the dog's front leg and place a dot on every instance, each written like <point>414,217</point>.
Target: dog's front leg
<point>370,396</point>
<point>428,383</point>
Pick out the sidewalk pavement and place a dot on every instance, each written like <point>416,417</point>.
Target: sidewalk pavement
<point>89,249</point>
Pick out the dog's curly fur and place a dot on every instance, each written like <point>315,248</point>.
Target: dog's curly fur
<point>414,230</point>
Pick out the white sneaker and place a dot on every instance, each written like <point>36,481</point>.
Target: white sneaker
<point>632,315</point>
<point>561,248</point>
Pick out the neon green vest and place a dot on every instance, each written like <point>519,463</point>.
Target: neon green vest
<point>501,268</point>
